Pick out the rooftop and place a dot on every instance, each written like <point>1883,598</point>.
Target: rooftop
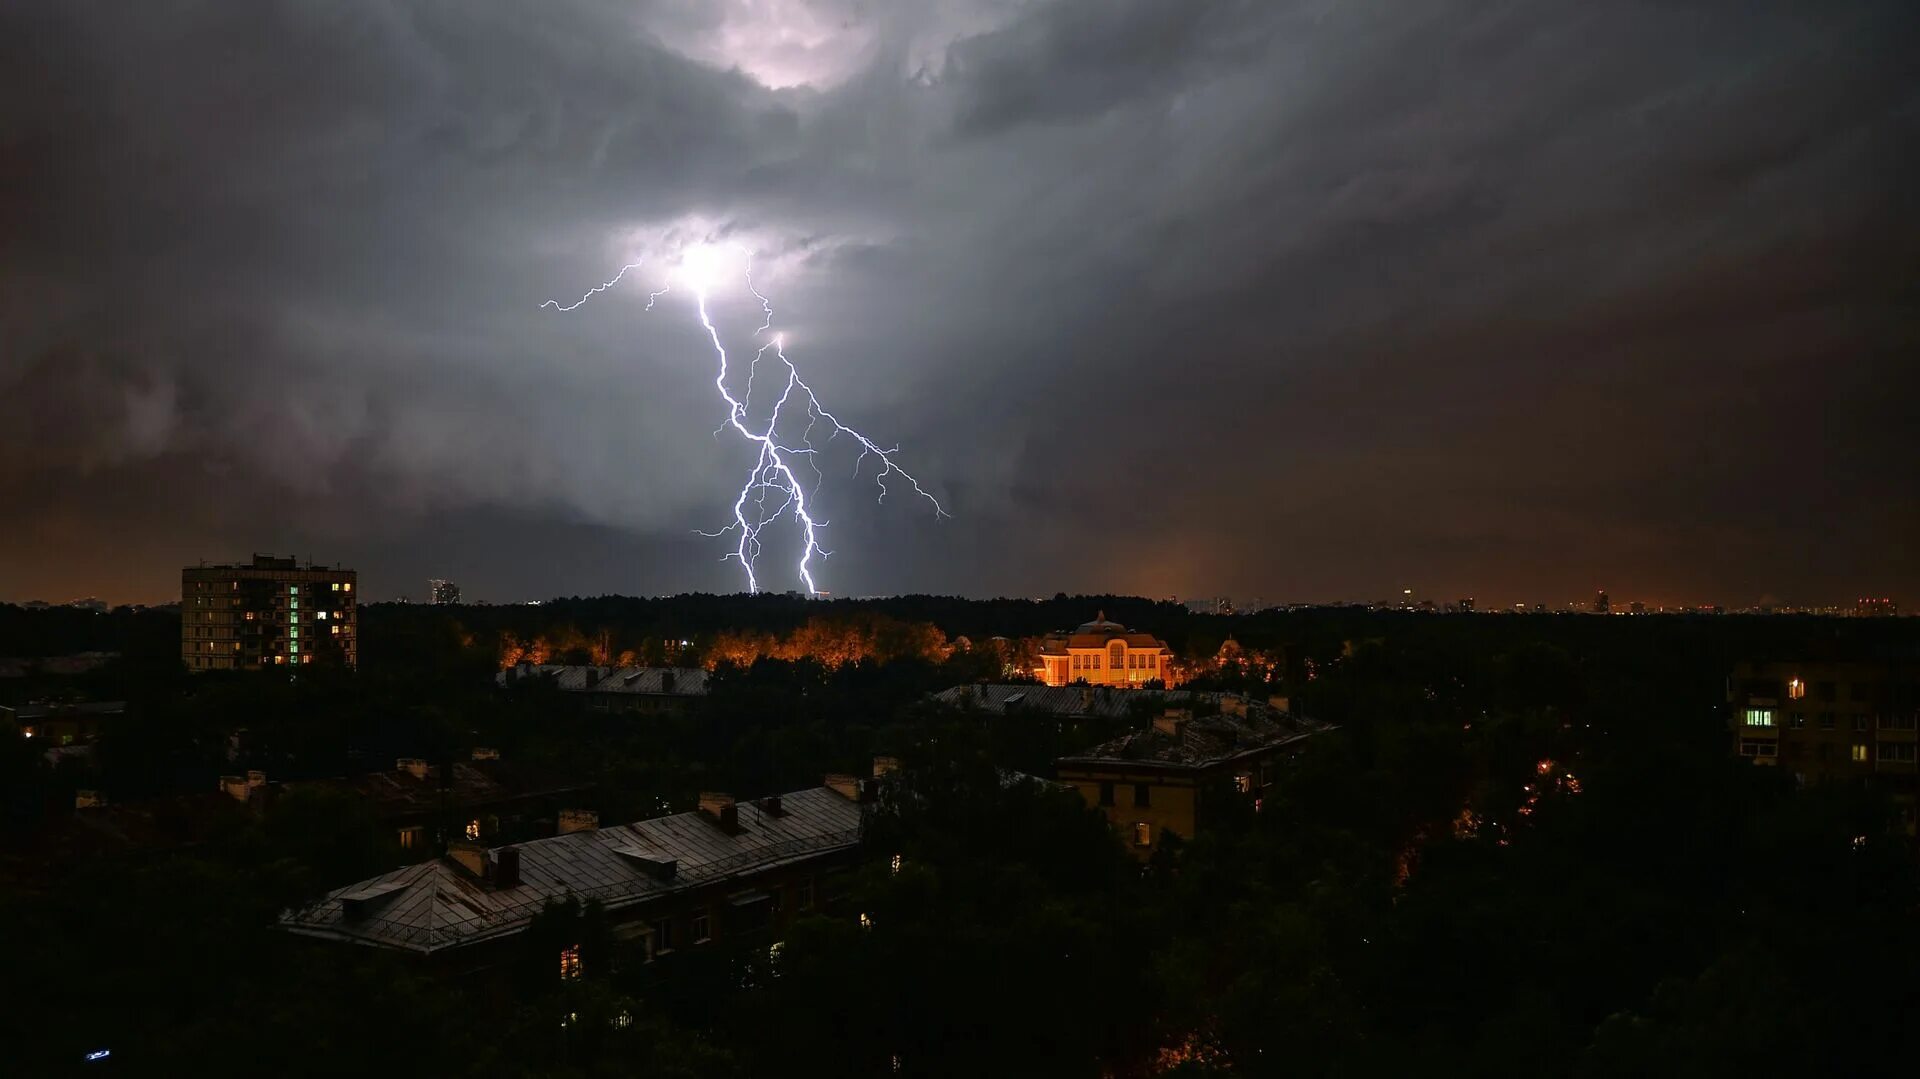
<point>1096,634</point>
<point>436,905</point>
<point>1202,741</point>
<point>1074,702</point>
<point>405,790</point>
<point>639,681</point>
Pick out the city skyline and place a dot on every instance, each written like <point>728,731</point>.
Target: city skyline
<point>1298,301</point>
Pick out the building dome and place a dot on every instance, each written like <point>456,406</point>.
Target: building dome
<point>1100,625</point>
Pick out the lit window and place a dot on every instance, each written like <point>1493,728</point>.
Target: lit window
<point>279,659</point>
<point>1243,783</point>
<point>1759,717</point>
<point>473,829</point>
<point>293,646</point>
<point>347,587</point>
<point>322,616</point>
<point>1860,752</point>
<point>293,631</point>
<point>409,837</point>
<point>249,616</point>
<point>894,865</point>
<point>1796,689</point>
<point>570,963</point>
<point>1143,834</point>
<point>293,590</point>
<point>336,586</point>
<point>865,922</point>
<point>702,927</point>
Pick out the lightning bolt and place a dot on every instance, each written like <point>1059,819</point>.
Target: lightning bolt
<point>774,474</point>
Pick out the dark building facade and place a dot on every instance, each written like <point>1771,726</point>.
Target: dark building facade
<point>1852,720</point>
<point>1159,780</point>
<point>273,612</point>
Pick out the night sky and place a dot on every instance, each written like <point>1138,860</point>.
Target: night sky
<point>1310,301</point>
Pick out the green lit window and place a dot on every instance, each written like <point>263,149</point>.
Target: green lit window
<point>293,590</point>
<point>1759,717</point>
<point>293,646</point>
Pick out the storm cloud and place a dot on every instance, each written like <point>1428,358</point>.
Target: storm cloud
<point>1310,300</point>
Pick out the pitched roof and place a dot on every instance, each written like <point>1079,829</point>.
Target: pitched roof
<point>1202,741</point>
<point>640,681</point>
<point>1073,702</point>
<point>474,784</point>
<point>435,905</point>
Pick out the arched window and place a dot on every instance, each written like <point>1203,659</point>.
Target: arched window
<point>1117,653</point>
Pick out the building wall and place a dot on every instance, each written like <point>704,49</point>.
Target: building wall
<point>1097,666</point>
<point>1175,799</point>
<point>269,614</point>
<point>1172,803</point>
<point>1828,721</point>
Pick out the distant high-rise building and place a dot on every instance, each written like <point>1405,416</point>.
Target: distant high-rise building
<point>1601,604</point>
<point>272,613</point>
<point>1869,607</point>
<point>1465,605</point>
<point>441,591</point>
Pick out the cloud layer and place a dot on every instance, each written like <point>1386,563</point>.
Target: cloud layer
<point>1313,300</point>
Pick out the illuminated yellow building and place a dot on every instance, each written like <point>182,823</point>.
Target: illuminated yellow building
<point>1103,653</point>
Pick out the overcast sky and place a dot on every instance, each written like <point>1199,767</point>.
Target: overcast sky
<point>1308,301</point>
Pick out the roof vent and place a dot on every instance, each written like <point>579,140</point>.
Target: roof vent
<point>770,805</point>
<point>718,807</point>
<point>652,863</point>
<point>506,867</point>
<point>357,905</point>
<point>849,787</point>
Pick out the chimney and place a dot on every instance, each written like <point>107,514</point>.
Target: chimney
<point>770,805</point>
<point>235,787</point>
<point>1280,704</point>
<point>1172,721</point>
<point>506,867</point>
<point>719,808</point>
<point>88,799</point>
<point>469,856</point>
<point>485,753</point>
<point>413,766</point>
<point>883,766</point>
<point>666,681</point>
<point>846,786</point>
<point>578,820</point>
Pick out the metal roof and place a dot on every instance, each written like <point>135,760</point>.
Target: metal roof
<point>437,905</point>
<point>640,681</point>
<point>1074,702</point>
<point>1202,741</point>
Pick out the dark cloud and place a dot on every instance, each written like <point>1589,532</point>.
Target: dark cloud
<point>1305,299</point>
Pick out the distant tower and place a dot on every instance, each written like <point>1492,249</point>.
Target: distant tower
<point>1601,604</point>
<point>442,591</point>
